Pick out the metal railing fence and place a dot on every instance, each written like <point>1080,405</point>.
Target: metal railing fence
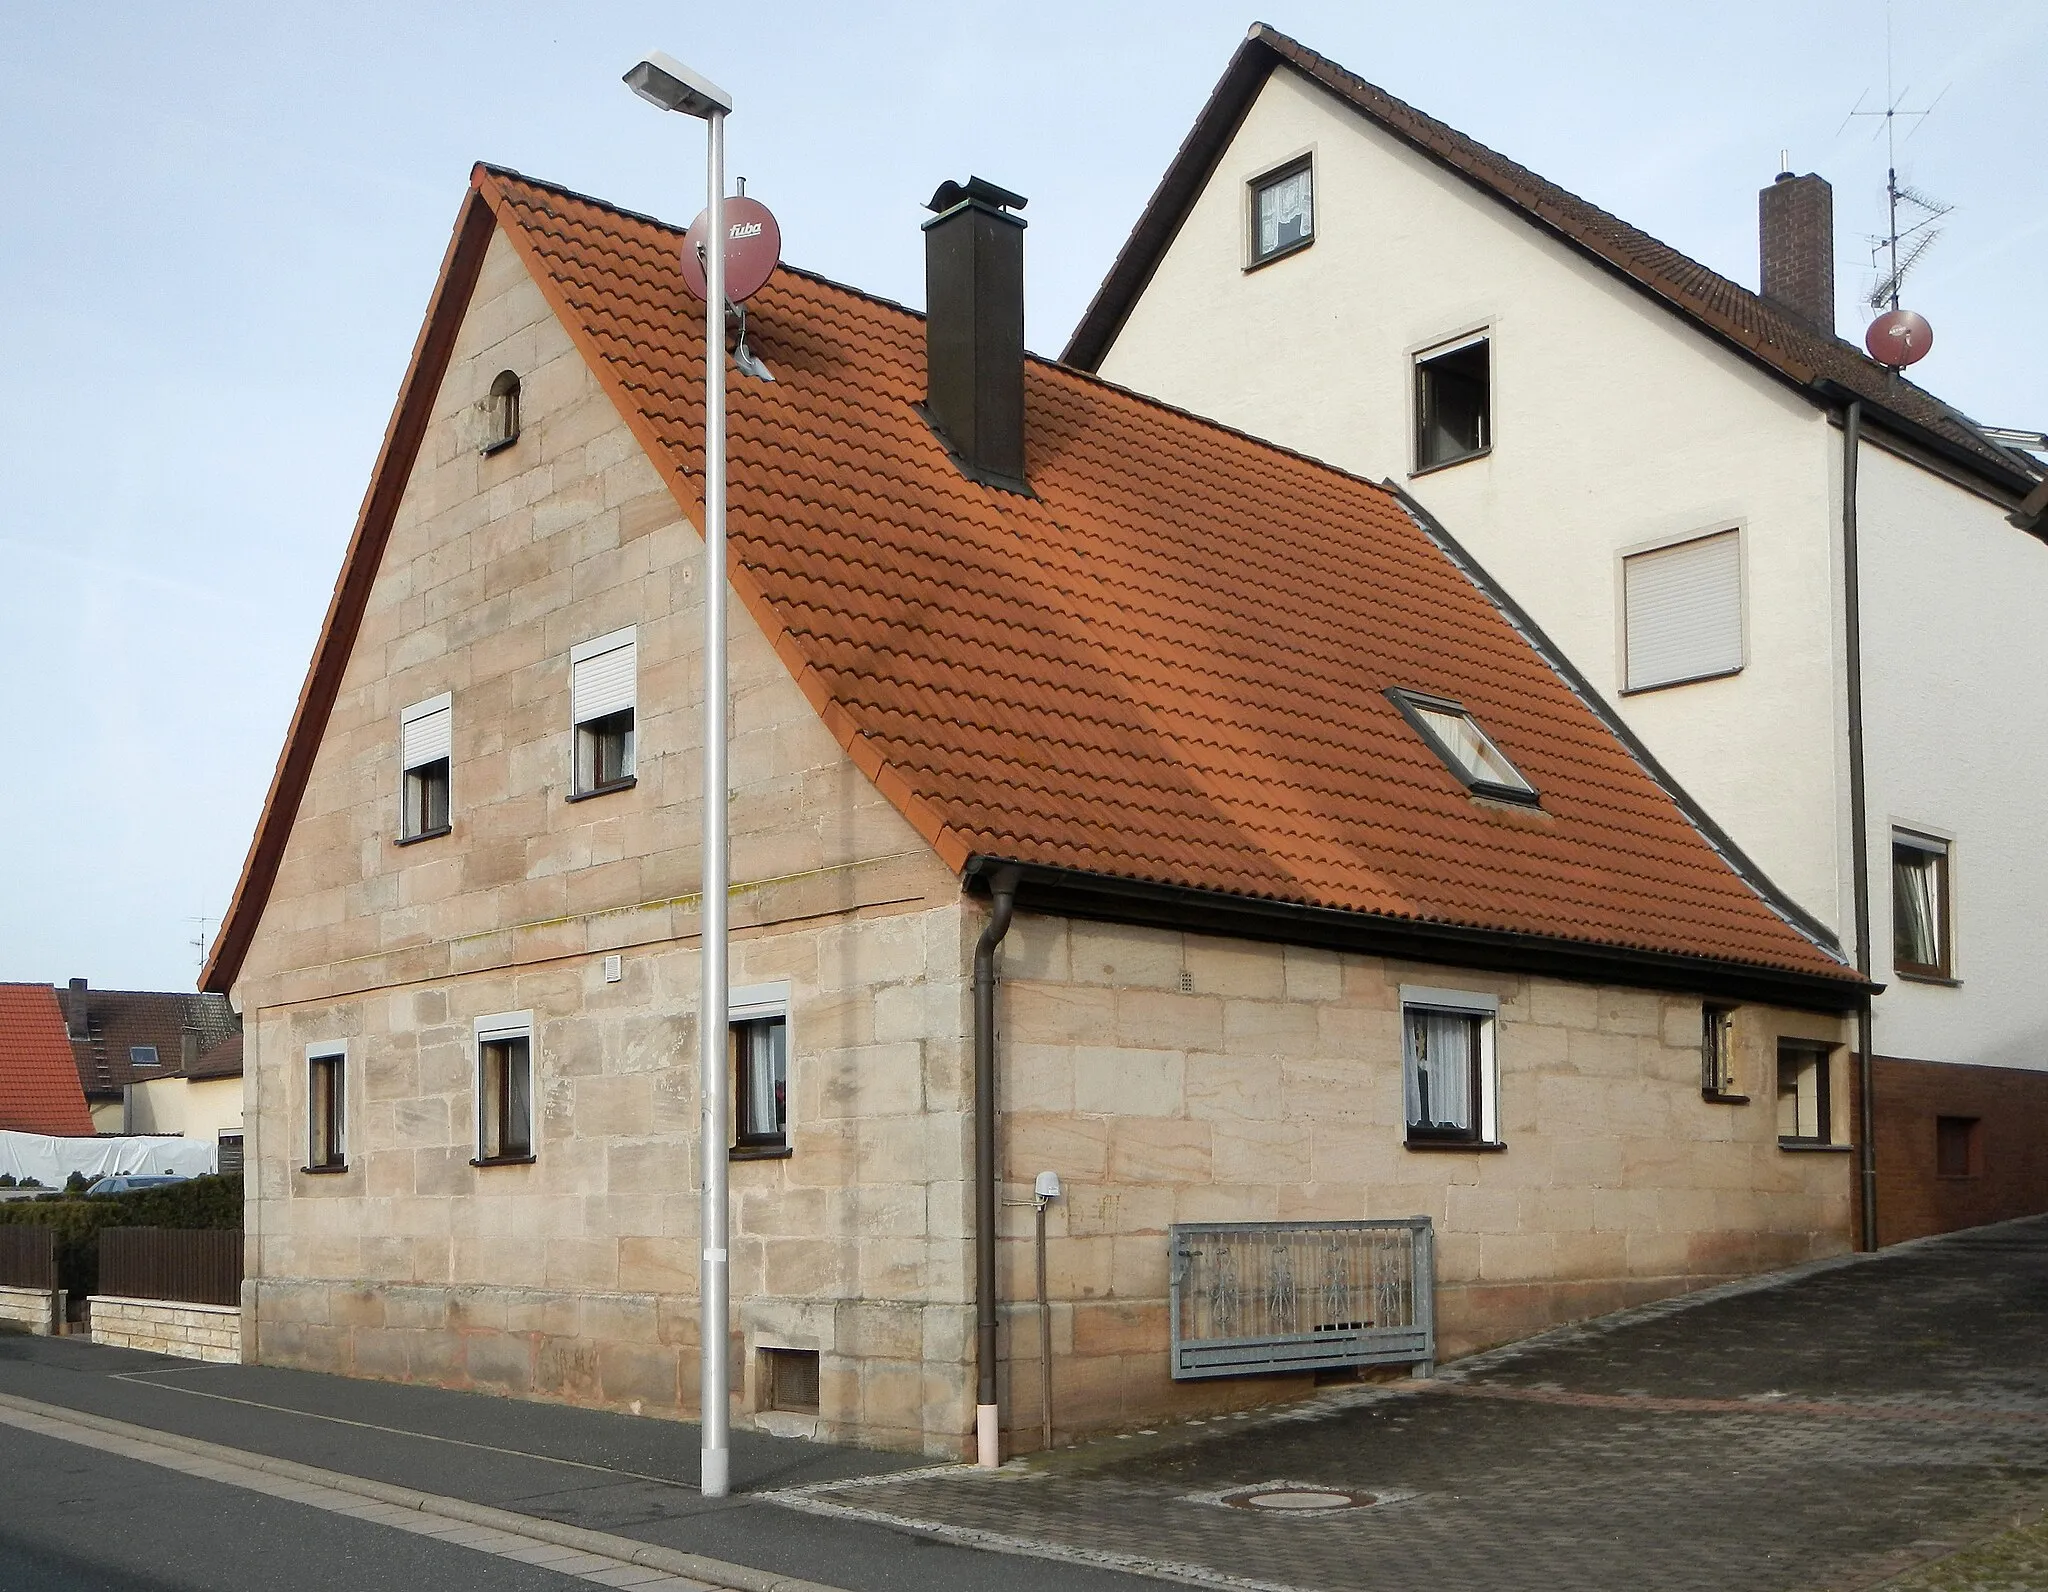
<point>28,1257</point>
<point>192,1265</point>
<point>1251,1297</point>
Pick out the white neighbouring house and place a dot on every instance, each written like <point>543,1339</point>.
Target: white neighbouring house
<point>1650,459</point>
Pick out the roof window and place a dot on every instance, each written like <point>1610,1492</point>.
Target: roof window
<point>1467,750</point>
<point>501,413</point>
<point>142,1055</point>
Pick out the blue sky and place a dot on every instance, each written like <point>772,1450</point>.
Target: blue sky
<point>223,221</point>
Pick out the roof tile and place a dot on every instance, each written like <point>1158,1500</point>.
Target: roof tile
<point>39,1088</point>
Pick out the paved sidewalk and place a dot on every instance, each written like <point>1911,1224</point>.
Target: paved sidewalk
<point>1831,1431</point>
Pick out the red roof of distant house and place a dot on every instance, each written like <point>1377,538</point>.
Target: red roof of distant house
<point>1166,666</point>
<point>39,1089</point>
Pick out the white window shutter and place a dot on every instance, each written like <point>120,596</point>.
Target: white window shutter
<point>1683,609</point>
<point>426,732</point>
<point>602,675</point>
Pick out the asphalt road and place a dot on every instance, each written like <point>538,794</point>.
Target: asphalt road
<point>73,1519</point>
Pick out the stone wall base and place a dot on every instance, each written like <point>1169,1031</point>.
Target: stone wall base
<point>165,1326</point>
<point>31,1309</point>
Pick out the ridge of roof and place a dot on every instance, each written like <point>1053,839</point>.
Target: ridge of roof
<point>1767,333</point>
<point>1151,667</point>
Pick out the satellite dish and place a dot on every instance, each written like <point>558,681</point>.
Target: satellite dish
<point>753,248</point>
<point>1899,338</point>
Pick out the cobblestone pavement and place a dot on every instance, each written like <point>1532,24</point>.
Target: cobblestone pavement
<point>1841,1427</point>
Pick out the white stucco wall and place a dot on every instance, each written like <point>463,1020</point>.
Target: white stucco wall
<point>1956,654</point>
<point>1614,426</point>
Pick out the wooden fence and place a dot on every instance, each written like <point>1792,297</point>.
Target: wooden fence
<point>28,1257</point>
<point>196,1266</point>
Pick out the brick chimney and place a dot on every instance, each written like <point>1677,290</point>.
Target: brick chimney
<point>74,1011</point>
<point>1796,246</point>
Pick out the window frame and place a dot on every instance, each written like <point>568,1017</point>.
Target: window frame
<point>1739,529</point>
<point>135,1053</point>
<point>329,1058</point>
<point>1823,1055</point>
<point>501,1029</point>
<point>1942,850</point>
<point>1419,360</point>
<point>1972,1137</point>
<point>1717,1055</point>
<point>746,1007</point>
<point>1256,186</point>
<point>584,733</point>
<point>1414,704</point>
<point>501,413</point>
<point>409,771</point>
<point>1484,1009</point>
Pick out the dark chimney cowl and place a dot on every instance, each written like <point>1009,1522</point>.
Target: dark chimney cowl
<point>974,329</point>
<point>1796,246</point>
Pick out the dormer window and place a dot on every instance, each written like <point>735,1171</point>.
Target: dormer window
<point>501,413</point>
<point>1283,211</point>
<point>1467,750</point>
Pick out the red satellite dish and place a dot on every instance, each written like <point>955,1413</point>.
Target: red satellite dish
<point>1898,338</point>
<point>753,248</point>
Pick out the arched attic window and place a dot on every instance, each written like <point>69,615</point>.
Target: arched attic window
<point>501,413</point>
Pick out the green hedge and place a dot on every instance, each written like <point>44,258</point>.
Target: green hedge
<point>210,1202</point>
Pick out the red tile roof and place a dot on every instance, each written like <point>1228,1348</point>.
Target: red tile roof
<point>1166,666</point>
<point>1827,368</point>
<point>39,1089</point>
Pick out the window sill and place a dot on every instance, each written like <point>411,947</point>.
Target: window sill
<point>1812,1146</point>
<point>325,1171</point>
<point>1930,976</point>
<point>1449,464</point>
<point>1714,1097</point>
<point>503,1160</point>
<point>1466,1146</point>
<point>499,446</point>
<point>424,834</point>
<point>759,1152</point>
<point>604,790</point>
<point>1286,251</point>
<point>1672,685</point>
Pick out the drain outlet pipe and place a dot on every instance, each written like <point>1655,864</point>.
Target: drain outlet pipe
<point>1859,818</point>
<point>987,1424</point>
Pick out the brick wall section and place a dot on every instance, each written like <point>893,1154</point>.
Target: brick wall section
<point>29,1310</point>
<point>191,1332</point>
<point>1796,247</point>
<point>2011,1170</point>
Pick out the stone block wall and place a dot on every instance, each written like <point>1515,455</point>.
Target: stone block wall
<point>163,1326</point>
<point>31,1309</point>
<point>1177,1077</point>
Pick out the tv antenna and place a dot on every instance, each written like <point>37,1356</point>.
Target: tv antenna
<point>198,942</point>
<point>1919,235</point>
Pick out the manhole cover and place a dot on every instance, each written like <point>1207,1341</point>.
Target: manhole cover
<point>1297,1498</point>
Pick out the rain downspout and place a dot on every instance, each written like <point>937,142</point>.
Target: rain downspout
<point>987,1423</point>
<point>1859,821</point>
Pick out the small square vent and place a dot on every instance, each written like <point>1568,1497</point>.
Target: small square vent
<point>789,1380</point>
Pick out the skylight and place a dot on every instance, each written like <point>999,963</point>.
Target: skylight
<point>1466,749</point>
<point>142,1055</point>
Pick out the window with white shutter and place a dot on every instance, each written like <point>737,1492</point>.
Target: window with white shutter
<point>426,733</point>
<point>1682,609</point>
<point>603,687</point>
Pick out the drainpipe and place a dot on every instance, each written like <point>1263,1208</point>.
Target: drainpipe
<point>1859,821</point>
<point>987,1426</point>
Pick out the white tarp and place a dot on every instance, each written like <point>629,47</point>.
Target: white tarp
<point>50,1160</point>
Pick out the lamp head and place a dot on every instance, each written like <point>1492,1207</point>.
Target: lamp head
<point>1047,1187</point>
<point>663,80</point>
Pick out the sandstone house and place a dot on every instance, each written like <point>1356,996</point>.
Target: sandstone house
<point>1320,887</point>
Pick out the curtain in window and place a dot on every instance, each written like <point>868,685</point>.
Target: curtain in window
<point>1284,213</point>
<point>764,1054</point>
<point>1441,1046</point>
<point>518,1098</point>
<point>1916,907</point>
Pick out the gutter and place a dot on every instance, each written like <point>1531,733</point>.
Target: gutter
<point>1859,815</point>
<point>987,1416</point>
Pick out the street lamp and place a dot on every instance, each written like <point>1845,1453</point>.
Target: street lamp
<point>664,81</point>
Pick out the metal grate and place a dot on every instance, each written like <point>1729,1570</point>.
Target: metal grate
<point>1251,1297</point>
<point>792,1379</point>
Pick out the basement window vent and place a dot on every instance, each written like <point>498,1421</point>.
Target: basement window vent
<point>501,413</point>
<point>789,1380</point>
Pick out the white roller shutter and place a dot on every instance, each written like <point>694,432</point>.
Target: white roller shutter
<point>426,732</point>
<point>601,675</point>
<point>1684,611</point>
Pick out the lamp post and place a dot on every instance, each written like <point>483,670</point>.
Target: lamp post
<point>664,81</point>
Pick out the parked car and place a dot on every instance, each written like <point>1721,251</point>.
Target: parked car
<point>129,1182</point>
